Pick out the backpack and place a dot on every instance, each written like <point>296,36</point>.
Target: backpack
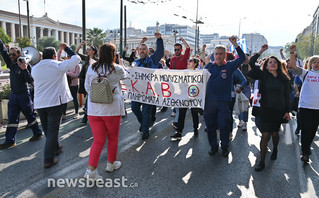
<point>101,91</point>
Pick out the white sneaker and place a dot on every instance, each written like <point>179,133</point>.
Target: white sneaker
<point>92,174</point>
<point>76,116</point>
<point>244,127</point>
<point>173,114</point>
<point>111,167</point>
<point>240,124</point>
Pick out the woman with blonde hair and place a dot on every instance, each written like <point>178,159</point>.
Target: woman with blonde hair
<point>308,102</point>
<point>105,119</point>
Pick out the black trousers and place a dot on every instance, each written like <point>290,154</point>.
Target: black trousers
<point>50,119</point>
<point>309,121</point>
<point>181,119</point>
<point>74,92</point>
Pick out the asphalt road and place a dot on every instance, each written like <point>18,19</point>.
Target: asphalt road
<point>158,167</point>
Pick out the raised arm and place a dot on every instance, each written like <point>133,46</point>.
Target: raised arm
<point>282,55</point>
<point>184,42</point>
<point>241,55</point>
<point>159,53</point>
<point>5,54</point>
<point>72,62</point>
<point>202,56</point>
<point>79,46</point>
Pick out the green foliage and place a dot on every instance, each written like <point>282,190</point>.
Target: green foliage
<point>4,37</point>
<point>5,92</point>
<point>305,46</point>
<point>47,42</point>
<point>96,36</point>
<point>73,47</point>
<point>23,42</point>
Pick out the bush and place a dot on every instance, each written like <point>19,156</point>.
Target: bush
<point>5,92</point>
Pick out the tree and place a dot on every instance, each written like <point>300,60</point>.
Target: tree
<point>23,42</point>
<point>96,36</point>
<point>47,42</point>
<point>305,46</point>
<point>4,37</point>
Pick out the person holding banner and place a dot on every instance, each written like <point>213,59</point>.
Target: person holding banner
<point>144,116</point>
<point>179,61</point>
<point>192,65</point>
<point>218,96</point>
<point>274,103</point>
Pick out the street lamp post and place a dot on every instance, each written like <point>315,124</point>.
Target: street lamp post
<point>19,20</point>
<point>28,17</point>
<point>239,27</point>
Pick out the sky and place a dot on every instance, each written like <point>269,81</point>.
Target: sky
<point>280,21</point>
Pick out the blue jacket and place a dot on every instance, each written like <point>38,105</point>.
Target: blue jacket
<point>238,77</point>
<point>153,60</point>
<point>221,80</point>
<point>19,78</point>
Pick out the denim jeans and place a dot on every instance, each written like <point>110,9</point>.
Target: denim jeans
<point>244,116</point>
<point>144,115</point>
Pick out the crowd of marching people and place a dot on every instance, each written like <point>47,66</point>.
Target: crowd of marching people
<point>275,88</point>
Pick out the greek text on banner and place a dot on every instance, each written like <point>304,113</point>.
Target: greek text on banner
<point>169,88</point>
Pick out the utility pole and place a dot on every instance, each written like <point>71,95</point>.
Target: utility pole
<point>121,26</point>
<point>83,25</point>
<point>28,17</point>
<point>125,33</point>
<point>20,33</point>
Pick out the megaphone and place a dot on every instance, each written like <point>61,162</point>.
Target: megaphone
<point>30,55</point>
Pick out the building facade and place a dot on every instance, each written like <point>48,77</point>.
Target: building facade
<point>254,41</point>
<point>187,32</point>
<point>39,27</point>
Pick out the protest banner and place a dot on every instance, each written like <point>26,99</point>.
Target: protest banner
<point>169,88</point>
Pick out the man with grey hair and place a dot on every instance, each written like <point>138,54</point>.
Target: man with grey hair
<point>218,96</point>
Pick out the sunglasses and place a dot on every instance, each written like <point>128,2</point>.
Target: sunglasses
<point>88,49</point>
<point>177,50</point>
<point>191,60</point>
<point>12,54</point>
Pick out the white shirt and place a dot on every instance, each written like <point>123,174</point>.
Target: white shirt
<point>50,82</point>
<point>309,91</point>
<point>116,108</point>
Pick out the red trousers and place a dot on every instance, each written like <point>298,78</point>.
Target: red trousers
<point>104,127</point>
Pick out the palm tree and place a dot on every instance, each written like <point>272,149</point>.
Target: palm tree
<point>96,36</point>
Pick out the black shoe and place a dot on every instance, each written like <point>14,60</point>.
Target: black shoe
<point>225,152</point>
<point>273,155</point>
<point>6,145</point>
<point>140,129</point>
<point>305,158</point>
<point>58,151</point>
<point>175,125</point>
<point>35,138</point>
<point>205,129</point>
<point>176,136</point>
<point>260,167</point>
<point>84,119</point>
<point>164,109</point>
<point>196,133</point>
<point>152,123</point>
<point>213,151</point>
<point>145,136</point>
